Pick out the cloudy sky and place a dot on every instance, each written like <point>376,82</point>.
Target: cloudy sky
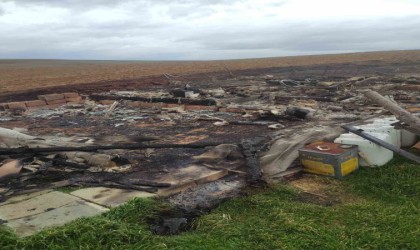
<point>203,29</point>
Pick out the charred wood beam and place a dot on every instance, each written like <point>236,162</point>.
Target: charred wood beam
<point>118,185</point>
<point>401,114</point>
<point>26,150</point>
<point>204,102</point>
<point>382,143</point>
<point>61,162</point>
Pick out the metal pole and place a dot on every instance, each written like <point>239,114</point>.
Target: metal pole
<point>384,144</point>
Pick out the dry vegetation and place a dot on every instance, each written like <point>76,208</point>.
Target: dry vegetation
<point>29,74</point>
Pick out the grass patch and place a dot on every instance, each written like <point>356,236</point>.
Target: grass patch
<point>385,215</point>
<point>68,189</point>
<point>397,182</point>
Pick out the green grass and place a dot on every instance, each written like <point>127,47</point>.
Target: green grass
<point>68,189</point>
<point>372,209</point>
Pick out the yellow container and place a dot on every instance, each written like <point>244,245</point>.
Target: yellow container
<point>331,159</point>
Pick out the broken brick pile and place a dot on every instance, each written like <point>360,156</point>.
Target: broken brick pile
<point>44,101</point>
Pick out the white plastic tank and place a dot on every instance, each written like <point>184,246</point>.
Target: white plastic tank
<point>408,138</point>
<point>388,120</point>
<point>384,128</point>
<point>373,155</point>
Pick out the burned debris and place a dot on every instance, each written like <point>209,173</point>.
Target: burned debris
<point>196,142</point>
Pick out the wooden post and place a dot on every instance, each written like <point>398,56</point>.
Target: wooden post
<point>401,114</point>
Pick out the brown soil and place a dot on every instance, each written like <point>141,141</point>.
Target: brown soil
<point>18,75</point>
<point>322,190</point>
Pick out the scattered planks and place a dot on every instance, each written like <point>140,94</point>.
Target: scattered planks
<point>111,184</point>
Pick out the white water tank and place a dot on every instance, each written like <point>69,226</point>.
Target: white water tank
<point>408,138</point>
<point>388,120</point>
<point>384,128</point>
<point>375,155</point>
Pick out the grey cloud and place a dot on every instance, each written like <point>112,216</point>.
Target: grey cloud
<point>188,11</point>
<point>118,40</point>
<point>354,35</point>
<point>140,34</point>
<point>2,11</point>
<point>70,3</point>
<point>176,9</point>
<point>198,2</point>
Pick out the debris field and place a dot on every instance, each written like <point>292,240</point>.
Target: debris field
<point>194,140</point>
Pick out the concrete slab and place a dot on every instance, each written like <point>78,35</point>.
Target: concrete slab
<point>56,217</point>
<point>23,197</point>
<point>109,197</point>
<point>36,205</point>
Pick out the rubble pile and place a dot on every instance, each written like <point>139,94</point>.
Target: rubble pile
<point>187,137</point>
